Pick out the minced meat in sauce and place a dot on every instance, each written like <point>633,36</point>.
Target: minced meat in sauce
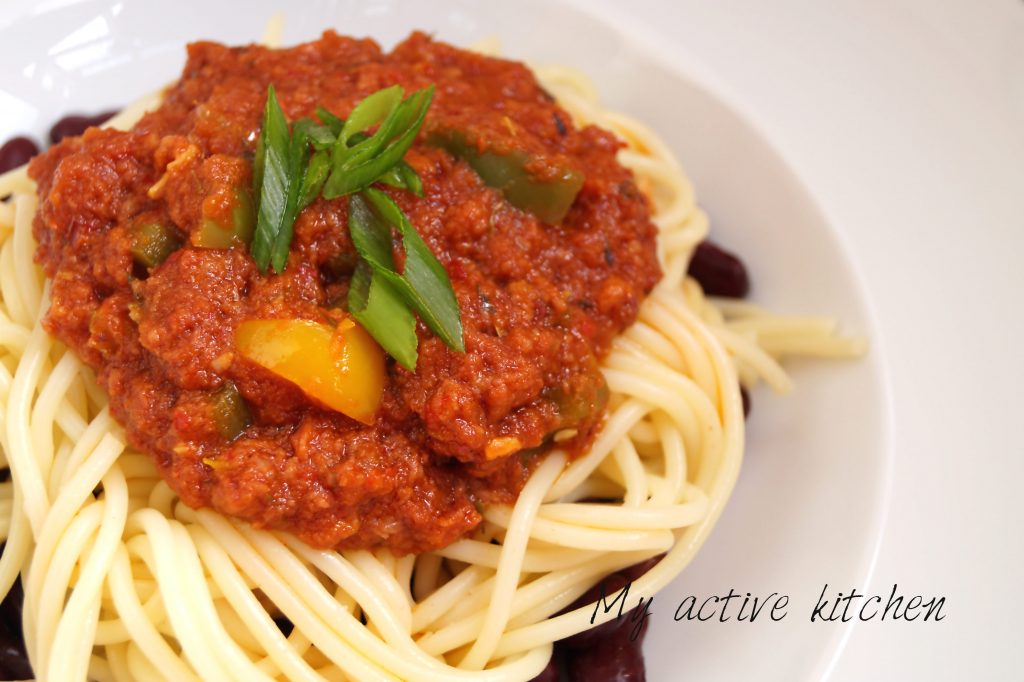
<point>540,303</point>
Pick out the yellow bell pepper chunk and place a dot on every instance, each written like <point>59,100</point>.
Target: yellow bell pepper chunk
<point>341,367</point>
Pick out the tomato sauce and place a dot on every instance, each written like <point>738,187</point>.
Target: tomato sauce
<point>540,303</point>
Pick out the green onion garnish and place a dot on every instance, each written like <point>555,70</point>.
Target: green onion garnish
<point>423,283</point>
<point>336,158</point>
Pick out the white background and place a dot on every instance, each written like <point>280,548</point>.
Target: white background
<point>908,116</point>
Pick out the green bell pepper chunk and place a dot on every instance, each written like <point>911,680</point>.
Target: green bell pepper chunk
<point>213,234</point>
<point>230,413</point>
<point>152,242</point>
<point>549,200</point>
<point>574,408</point>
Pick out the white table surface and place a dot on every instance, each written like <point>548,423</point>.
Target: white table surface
<point>906,120</point>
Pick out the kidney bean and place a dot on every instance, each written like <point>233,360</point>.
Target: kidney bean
<point>611,585</point>
<point>14,663</point>
<point>16,152</point>
<point>637,571</point>
<point>11,608</point>
<point>746,401</point>
<point>551,673</point>
<point>76,124</point>
<point>616,658</point>
<point>719,272</point>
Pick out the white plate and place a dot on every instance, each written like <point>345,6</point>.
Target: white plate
<point>809,504</point>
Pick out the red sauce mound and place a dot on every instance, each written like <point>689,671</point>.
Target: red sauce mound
<point>540,303</point>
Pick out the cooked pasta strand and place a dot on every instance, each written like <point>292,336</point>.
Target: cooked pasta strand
<point>146,588</point>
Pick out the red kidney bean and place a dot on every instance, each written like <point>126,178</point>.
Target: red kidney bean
<point>719,272</point>
<point>11,608</point>
<point>637,571</point>
<point>746,401</point>
<point>617,658</point>
<point>14,663</point>
<point>551,673</point>
<point>16,152</point>
<point>611,585</point>
<point>76,124</point>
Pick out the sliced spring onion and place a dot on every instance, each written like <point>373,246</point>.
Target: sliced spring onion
<point>384,313</point>
<point>278,158</point>
<point>423,283</point>
<point>339,157</point>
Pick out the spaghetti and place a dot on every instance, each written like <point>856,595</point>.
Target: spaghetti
<point>124,582</point>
